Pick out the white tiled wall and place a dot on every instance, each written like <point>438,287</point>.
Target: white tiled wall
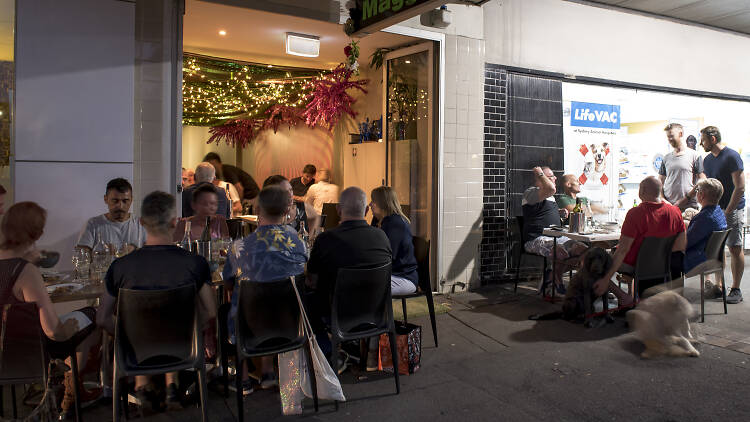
<point>463,164</point>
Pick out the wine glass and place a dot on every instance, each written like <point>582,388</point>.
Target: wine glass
<point>121,250</point>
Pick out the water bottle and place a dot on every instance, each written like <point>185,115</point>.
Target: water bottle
<point>101,257</point>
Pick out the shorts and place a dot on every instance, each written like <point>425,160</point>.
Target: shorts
<point>735,224</point>
<point>543,246</point>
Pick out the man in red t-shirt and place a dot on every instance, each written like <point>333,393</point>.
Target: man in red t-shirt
<point>653,218</point>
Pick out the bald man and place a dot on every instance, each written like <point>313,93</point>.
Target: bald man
<point>652,218</point>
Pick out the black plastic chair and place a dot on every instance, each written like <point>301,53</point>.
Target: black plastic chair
<point>516,230</point>
<point>332,216</point>
<point>654,261</point>
<point>362,308</point>
<point>268,323</point>
<point>422,253</point>
<point>24,358</point>
<point>714,264</point>
<point>157,331</point>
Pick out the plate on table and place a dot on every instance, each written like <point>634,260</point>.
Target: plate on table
<point>62,288</point>
<point>52,277</point>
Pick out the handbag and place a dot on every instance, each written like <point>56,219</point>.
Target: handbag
<point>408,348</point>
<point>294,375</point>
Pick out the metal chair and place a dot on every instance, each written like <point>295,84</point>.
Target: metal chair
<point>517,248</point>
<point>653,262</point>
<point>157,331</point>
<point>714,264</point>
<point>422,253</point>
<point>362,308</point>
<point>268,323</point>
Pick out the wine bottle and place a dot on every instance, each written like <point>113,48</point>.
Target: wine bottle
<point>185,243</point>
<point>206,234</point>
<point>577,208</point>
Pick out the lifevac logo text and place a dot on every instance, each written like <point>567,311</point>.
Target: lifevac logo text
<point>604,116</point>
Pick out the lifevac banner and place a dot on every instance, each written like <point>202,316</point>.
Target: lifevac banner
<point>603,116</point>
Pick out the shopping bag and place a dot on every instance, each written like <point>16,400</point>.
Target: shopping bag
<point>327,382</point>
<point>408,348</point>
<point>291,366</point>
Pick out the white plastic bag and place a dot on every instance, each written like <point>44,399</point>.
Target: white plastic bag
<point>328,385</point>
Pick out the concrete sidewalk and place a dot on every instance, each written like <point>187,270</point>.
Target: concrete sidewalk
<point>495,364</point>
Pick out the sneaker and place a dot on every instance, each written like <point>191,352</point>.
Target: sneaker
<point>712,291</point>
<point>269,382</point>
<point>248,386</point>
<point>173,397</point>
<point>735,296</point>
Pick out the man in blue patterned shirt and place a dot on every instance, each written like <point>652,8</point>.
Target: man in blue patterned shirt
<point>272,252</point>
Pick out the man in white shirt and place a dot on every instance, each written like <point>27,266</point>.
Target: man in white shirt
<point>680,169</point>
<point>118,226</point>
<point>322,192</point>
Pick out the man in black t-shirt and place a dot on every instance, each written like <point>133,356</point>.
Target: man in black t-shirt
<point>301,184</point>
<point>159,264</point>
<point>245,184</point>
<point>353,244</point>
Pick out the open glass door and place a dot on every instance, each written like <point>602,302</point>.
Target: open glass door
<point>408,103</point>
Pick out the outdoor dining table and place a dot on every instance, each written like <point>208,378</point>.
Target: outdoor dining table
<point>74,290</point>
<point>588,238</point>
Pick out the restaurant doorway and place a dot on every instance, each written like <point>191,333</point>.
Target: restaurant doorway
<point>225,44</point>
<point>407,105</point>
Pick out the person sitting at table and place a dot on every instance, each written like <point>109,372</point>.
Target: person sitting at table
<point>539,212</point>
<point>710,219</point>
<point>205,200</point>
<point>118,226</point>
<point>272,252</point>
<point>21,227</point>
<point>205,174</point>
<point>352,244</point>
<point>301,184</point>
<point>299,212</point>
<point>233,197</point>
<point>571,192</point>
<point>188,177</point>
<point>245,184</point>
<point>159,264</point>
<point>322,192</point>
<point>652,218</point>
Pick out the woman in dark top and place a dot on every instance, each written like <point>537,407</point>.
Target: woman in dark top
<point>386,208</point>
<point>21,282</point>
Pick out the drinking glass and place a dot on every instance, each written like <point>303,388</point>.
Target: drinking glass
<point>81,260</point>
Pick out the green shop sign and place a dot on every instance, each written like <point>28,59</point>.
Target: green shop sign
<point>373,15</point>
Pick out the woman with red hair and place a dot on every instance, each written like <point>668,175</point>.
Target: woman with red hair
<point>20,282</point>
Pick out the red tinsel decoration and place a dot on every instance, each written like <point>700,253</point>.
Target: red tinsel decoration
<point>279,114</point>
<point>329,100</point>
<point>235,132</point>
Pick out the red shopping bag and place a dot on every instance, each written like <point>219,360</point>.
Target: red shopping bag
<point>408,346</point>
